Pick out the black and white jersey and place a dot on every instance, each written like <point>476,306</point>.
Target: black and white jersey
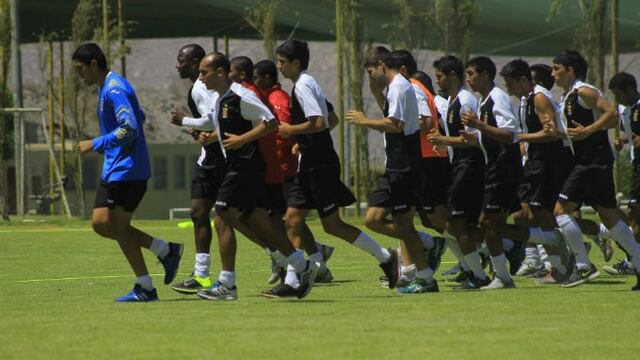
<point>595,149</point>
<point>531,124</point>
<point>423,102</point>
<point>316,150</point>
<point>441,104</point>
<point>236,112</point>
<point>452,124</point>
<point>402,150</point>
<point>630,121</point>
<point>502,159</point>
<point>200,101</point>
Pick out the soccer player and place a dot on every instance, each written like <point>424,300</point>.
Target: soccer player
<point>210,171</point>
<point>317,184</point>
<point>125,172</point>
<point>466,190</point>
<point>399,189</point>
<point>240,119</point>
<point>588,117</point>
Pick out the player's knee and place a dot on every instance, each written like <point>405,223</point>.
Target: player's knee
<point>372,222</point>
<point>199,217</point>
<point>101,227</point>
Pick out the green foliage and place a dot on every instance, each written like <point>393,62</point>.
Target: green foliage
<point>262,17</point>
<point>454,22</point>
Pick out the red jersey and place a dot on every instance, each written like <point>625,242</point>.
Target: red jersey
<point>425,145</point>
<point>279,102</point>
<point>267,145</point>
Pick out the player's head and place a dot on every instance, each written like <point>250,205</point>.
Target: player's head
<point>568,66</point>
<point>188,60</point>
<point>265,74</point>
<point>517,77</point>
<point>293,58</point>
<point>449,73</point>
<point>541,74</point>
<point>376,62</point>
<point>241,69</point>
<point>481,72</point>
<point>625,88</point>
<point>406,62</point>
<point>214,70</point>
<point>424,80</point>
<point>90,62</point>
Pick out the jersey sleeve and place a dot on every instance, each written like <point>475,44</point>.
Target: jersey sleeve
<point>204,123</point>
<point>308,102</point>
<point>396,101</point>
<point>423,103</point>
<point>254,110</point>
<point>505,114</point>
<point>128,126</point>
<point>469,104</point>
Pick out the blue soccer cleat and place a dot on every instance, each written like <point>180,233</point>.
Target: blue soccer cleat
<point>139,294</point>
<point>171,262</point>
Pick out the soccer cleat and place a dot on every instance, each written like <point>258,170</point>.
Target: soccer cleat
<point>324,277</point>
<point>171,262</point>
<point>390,268</point>
<point>192,284</point>
<point>405,281</point>
<point>139,294</point>
<point>606,246</point>
<point>515,256</point>
<point>579,276</point>
<point>277,273</point>
<point>418,286</point>
<point>326,252</point>
<point>474,283</point>
<point>280,291</point>
<point>384,281</point>
<point>307,278</point>
<point>462,276</point>
<point>498,283</point>
<point>530,268</point>
<point>434,255</point>
<point>553,278</point>
<point>452,270</point>
<point>219,292</point>
<point>623,267</point>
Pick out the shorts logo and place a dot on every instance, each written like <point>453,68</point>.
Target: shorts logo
<point>329,207</point>
<point>563,196</point>
<point>457,212</point>
<point>221,203</point>
<point>400,207</point>
<point>493,207</point>
<point>110,201</point>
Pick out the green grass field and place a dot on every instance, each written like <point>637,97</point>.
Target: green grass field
<point>58,281</point>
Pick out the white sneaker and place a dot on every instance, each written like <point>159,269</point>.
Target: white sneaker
<point>497,283</point>
<point>219,292</point>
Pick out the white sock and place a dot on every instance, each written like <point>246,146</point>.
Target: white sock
<point>296,259</point>
<point>317,257</point>
<point>159,247</point>
<point>556,264</point>
<point>621,233</point>
<point>427,240</point>
<point>145,281</point>
<point>278,258</point>
<point>544,258</point>
<point>407,272</point>
<point>500,267</point>
<point>484,249</point>
<point>531,252</point>
<point>539,236</point>
<point>203,262</point>
<point>227,278</point>
<point>604,232</point>
<point>475,264</point>
<point>292,278</point>
<point>508,244</point>
<point>573,235</point>
<point>365,243</point>
<point>425,274</point>
<point>452,244</point>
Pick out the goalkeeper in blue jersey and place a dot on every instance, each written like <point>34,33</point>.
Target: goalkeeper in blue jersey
<point>125,171</point>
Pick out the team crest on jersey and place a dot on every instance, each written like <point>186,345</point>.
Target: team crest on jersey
<point>635,116</point>
<point>486,117</point>
<point>450,119</point>
<point>569,109</point>
<point>225,111</point>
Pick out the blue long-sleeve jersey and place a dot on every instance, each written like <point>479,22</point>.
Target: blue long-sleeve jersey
<point>122,141</point>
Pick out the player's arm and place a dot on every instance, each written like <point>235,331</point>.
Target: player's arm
<point>594,101</point>
<point>388,124</point>
<point>312,111</point>
<point>263,121</point>
<point>504,136</point>
<point>333,118</point>
<point>465,140</point>
<point>547,115</point>
<point>128,126</point>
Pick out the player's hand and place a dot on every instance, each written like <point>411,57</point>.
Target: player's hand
<point>579,132</point>
<point>207,138</point>
<point>295,149</point>
<point>470,119</point>
<point>435,138</point>
<point>85,146</point>
<point>284,130</point>
<point>354,117</point>
<point>176,116</point>
<point>195,134</point>
<point>636,141</point>
<point>617,144</point>
<point>468,138</point>
<point>552,130</point>
<point>232,142</point>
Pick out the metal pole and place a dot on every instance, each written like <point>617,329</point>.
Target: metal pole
<point>356,89</point>
<point>56,169</point>
<point>62,134</point>
<point>52,176</point>
<point>105,29</point>
<point>123,56</point>
<point>215,44</point>
<point>614,70</point>
<point>18,127</point>
<point>226,45</point>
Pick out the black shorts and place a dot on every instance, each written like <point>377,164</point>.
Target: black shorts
<point>501,197</point>
<point>206,183</point>
<point>242,191</point>
<point>274,199</point>
<point>591,185</point>
<point>539,187</point>
<point>321,190</point>
<point>124,194</point>
<point>397,191</point>
<point>635,186</point>
<point>466,190</point>
<point>435,182</point>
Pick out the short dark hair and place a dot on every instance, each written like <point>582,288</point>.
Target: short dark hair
<point>219,60</point>
<point>483,64</point>
<point>424,80</point>
<point>295,50</point>
<point>623,81</point>
<point>243,63</point>
<point>448,64</point>
<point>267,67</point>
<point>542,75</point>
<point>572,58</point>
<point>515,69</point>
<point>404,57</point>
<point>90,51</point>
<point>374,55</point>
<point>194,51</point>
